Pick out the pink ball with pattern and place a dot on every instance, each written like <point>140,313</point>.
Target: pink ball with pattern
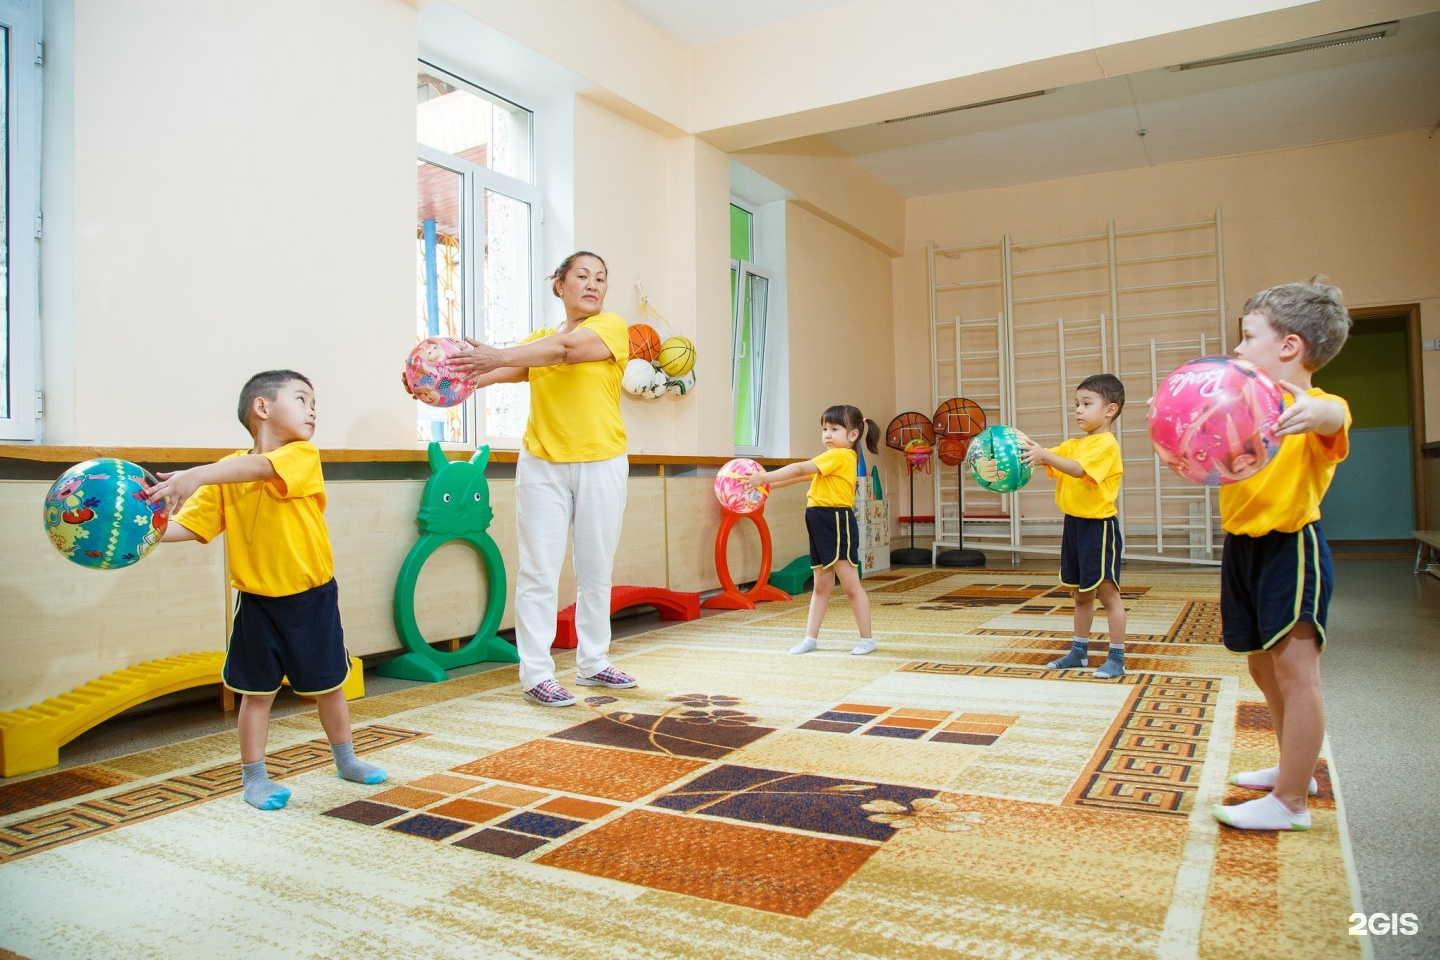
<point>732,493</point>
<point>1212,420</point>
<point>430,379</point>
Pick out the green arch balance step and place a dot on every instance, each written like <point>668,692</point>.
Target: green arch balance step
<point>454,506</point>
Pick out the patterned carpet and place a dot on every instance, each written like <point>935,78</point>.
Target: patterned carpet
<point>946,796</point>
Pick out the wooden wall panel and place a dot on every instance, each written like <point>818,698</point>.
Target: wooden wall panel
<point>372,528</point>
<point>695,518</point>
<point>62,624</point>
<point>640,559</point>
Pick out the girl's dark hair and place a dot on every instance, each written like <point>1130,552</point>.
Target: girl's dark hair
<point>267,385</point>
<point>844,415</point>
<point>566,264</point>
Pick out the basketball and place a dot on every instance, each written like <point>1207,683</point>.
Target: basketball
<point>676,356</point>
<point>731,494</point>
<point>955,422</point>
<point>644,342</point>
<point>429,377</point>
<point>96,514</point>
<point>994,459</point>
<point>951,450</point>
<point>906,428</point>
<point>1212,420</point>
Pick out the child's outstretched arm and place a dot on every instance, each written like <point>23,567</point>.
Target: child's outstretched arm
<point>786,475</point>
<point>1036,454</point>
<point>178,486</point>
<point>175,532</point>
<point>1307,414</point>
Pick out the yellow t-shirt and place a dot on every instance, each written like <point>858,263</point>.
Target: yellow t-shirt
<point>834,485</point>
<point>1285,495</point>
<point>575,407</point>
<point>1093,495</point>
<point>278,544</point>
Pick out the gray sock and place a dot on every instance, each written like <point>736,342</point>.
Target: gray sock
<point>351,767</point>
<point>261,792</point>
<point>1114,664</point>
<point>1079,650</point>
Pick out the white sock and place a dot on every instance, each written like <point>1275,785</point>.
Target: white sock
<point>1265,780</point>
<point>1265,813</point>
<point>805,646</point>
<point>866,645</point>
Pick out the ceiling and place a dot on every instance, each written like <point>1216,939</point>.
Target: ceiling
<point>1125,122</point>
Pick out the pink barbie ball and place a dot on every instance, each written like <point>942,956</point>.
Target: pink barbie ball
<point>430,378</point>
<point>1213,420</point>
<point>732,494</point>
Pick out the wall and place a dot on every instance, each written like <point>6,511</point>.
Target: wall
<point>1361,212</point>
<point>658,210</point>
<point>835,188</point>
<point>840,347</point>
<point>243,200</point>
<point>235,208</point>
<point>1372,495</point>
<point>1367,370</point>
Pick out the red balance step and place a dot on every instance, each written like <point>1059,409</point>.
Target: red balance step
<point>672,604</point>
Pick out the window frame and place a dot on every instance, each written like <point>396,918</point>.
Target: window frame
<point>475,181</point>
<point>24,63</point>
<point>742,349</point>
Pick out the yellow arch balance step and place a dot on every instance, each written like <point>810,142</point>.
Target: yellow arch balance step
<point>31,737</point>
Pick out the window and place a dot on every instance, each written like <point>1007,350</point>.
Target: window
<point>475,241</point>
<point>19,220</point>
<point>749,301</point>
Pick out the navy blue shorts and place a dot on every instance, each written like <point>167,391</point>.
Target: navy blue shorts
<point>834,536</point>
<point>1269,584</point>
<point>1090,552</point>
<point>297,637</point>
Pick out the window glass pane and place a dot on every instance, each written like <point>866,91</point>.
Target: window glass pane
<point>466,122</point>
<point>749,358</point>
<point>440,279</point>
<point>740,229</point>
<point>5,405</point>
<point>507,304</point>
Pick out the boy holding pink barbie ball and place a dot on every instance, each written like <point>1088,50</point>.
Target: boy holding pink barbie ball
<point>1275,573</point>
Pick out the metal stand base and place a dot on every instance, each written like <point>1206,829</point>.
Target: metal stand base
<point>910,557</point>
<point>957,558</point>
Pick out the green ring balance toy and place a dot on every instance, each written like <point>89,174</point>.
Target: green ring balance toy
<point>454,506</point>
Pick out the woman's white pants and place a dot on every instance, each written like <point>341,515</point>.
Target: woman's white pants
<point>550,500</point>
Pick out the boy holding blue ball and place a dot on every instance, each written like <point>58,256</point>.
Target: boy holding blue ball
<point>1087,471</point>
<point>270,501</point>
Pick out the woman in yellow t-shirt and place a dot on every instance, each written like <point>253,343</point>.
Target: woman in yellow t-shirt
<point>830,518</point>
<point>570,477</point>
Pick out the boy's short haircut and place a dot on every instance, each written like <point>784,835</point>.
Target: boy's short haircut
<point>1108,386</point>
<point>1314,311</point>
<point>267,385</point>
